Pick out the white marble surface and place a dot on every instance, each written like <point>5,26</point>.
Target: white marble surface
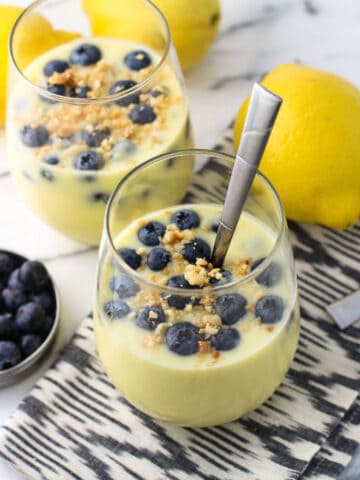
<point>255,36</point>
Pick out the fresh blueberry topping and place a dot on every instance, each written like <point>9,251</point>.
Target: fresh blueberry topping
<point>158,91</point>
<point>29,343</point>
<point>30,318</point>
<point>49,322</point>
<point>48,176</point>
<point>182,338</point>
<point>89,160</point>
<point>120,87</point>
<point>230,307</point>
<point>185,219</point>
<point>142,114</point>
<point>80,92</point>
<point>195,249</point>
<point>10,355</point>
<point>7,327</point>
<point>137,60</point>
<point>226,277</point>
<point>214,227</point>
<point>116,309</point>
<point>85,54</point>
<point>100,197</point>
<point>270,276</point>
<point>13,299</point>
<point>7,265</point>
<point>52,160</point>
<point>269,308</point>
<point>34,275</point>
<point>45,300</point>
<point>158,258</point>
<point>149,234</point>
<point>15,282</point>
<point>95,137</point>
<point>225,339</point>
<point>55,66</point>
<point>57,90</point>
<point>150,317</point>
<point>177,301</point>
<point>123,286</point>
<point>34,137</point>
<point>130,257</point>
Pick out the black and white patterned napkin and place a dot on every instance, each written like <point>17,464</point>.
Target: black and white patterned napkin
<point>75,425</point>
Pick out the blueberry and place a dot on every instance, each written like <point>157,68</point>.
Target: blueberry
<point>7,327</point>
<point>7,265</point>
<point>120,87</point>
<point>48,176</point>
<point>230,307</point>
<point>214,227</point>
<point>158,258</point>
<point>34,275</point>
<point>226,277</point>
<point>45,300</point>
<point>149,234</point>
<point>95,137</point>
<point>49,322</point>
<point>142,114</point>
<point>116,309</point>
<point>158,91</point>
<point>89,160</point>
<point>10,355</point>
<point>182,338</point>
<point>34,137</point>
<point>52,160</point>
<point>123,286</point>
<point>80,92</point>
<point>149,317</point>
<point>15,282</point>
<point>137,60</point>
<point>130,257</point>
<point>225,339</point>
<point>177,301</point>
<point>29,343</point>
<point>270,276</point>
<point>57,89</point>
<point>100,197</point>
<point>269,308</point>
<point>195,249</point>
<point>185,219</point>
<point>55,66</point>
<point>85,54</point>
<point>30,318</point>
<point>13,299</point>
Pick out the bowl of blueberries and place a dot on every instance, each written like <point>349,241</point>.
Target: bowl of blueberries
<point>29,315</point>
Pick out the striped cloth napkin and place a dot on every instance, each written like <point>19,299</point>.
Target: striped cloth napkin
<point>75,425</point>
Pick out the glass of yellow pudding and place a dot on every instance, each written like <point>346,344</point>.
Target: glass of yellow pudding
<point>183,341</point>
<point>83,109</point>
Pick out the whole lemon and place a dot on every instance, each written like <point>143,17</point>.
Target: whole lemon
<point>43,38</point>
<point>194,24</point>
<point>313,155</point>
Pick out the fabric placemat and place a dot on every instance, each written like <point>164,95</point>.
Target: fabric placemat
<point>75,425</point>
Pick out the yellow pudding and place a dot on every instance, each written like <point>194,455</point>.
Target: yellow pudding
<point>219,345</point>
<point>68,152</point>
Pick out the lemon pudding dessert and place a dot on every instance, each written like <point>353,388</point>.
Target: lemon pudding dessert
<point>105,107</point>
<point>187,342</point>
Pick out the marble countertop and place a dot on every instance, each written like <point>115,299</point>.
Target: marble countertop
<point>255,36</point>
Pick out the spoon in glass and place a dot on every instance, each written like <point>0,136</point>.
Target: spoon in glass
<point>262,112</point>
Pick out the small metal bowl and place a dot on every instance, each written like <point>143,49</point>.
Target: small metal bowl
<point>12,375</point>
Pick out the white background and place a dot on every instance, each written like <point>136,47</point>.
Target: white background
<point>256,35</point>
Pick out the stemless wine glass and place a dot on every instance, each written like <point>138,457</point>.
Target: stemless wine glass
<point>87,105</point>
<point>181,340</point>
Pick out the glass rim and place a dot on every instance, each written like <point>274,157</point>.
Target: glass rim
<point>89,101</point>
<point>193,291</point>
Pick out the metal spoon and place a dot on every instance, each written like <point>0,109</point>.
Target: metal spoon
<point>262,112</point>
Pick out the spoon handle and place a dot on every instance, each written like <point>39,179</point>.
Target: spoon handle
<point>262,112</point>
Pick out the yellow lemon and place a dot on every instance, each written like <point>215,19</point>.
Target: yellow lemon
<point>194,24</point>
<point>313,155</point>
<point>43,37</point>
